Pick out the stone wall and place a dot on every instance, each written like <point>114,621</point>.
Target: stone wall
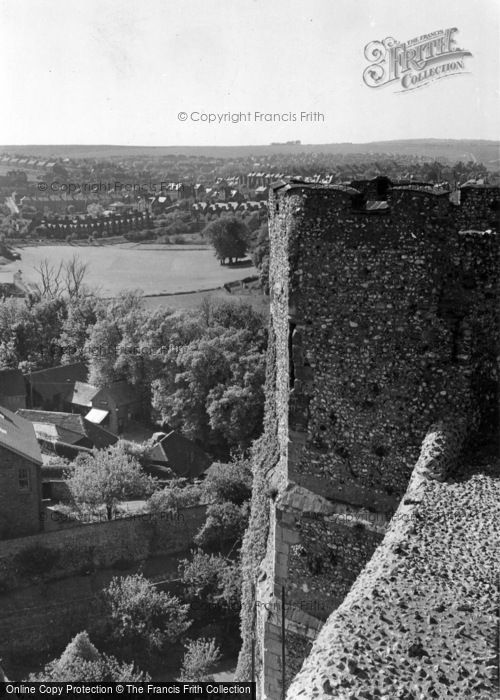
<point>50,583</point>
<point>390,318</point>
<point>97,546</point>
<point>390,322</point>
<point>421,619</point>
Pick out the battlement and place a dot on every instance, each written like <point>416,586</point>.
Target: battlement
<point>477,203</point>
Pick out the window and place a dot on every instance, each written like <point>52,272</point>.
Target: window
<point>24,479</point>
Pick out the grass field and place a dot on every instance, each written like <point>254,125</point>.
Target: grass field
<point>153,269</point>
<point>257,301</point>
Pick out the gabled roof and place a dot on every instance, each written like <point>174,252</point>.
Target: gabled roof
<point>70,428</point>
<point>57,380</point>
<point>12,383</point>
<point>18,436</point>
<point>181,455</point>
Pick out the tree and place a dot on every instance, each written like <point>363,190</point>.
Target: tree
<point>107,477</point>
<point>81,317</point>
<point>65,278</point>
<point>229,482</point>
<point>74,271</point>
<point>200,657</point>
<point>94,209</point>
<point>173,497</point>
<point>140,614</point>
<point>229,237</point>
<point>234,315</point>
<point>212,388</point>
<point>236,409</point>
<point>50,284</point>
<point>213,579</point>
<point>30,332</point>
<point>226,522</point>
<point>82,662</point>
<point>115,340</point>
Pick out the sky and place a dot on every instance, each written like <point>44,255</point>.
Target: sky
<point>150,73</point>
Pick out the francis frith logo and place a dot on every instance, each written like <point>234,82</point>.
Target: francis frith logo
<point>416,62</point>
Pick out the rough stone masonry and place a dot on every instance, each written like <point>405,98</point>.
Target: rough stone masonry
<point>384,321</point>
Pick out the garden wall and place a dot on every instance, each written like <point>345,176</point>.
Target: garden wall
<point>50,583</point>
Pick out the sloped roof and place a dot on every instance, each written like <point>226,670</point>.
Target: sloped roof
<point>18,435</point>
<point>181,455</point>
<point>57,380</point>
<point>12,383</point>
<point>69,428</point>
<point>82,394</point>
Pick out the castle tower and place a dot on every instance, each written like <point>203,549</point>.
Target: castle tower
<point>383,321</point>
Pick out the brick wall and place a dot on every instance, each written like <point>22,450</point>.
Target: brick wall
<point>19,510</point>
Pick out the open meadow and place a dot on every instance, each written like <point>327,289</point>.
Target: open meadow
<point>153,269</point>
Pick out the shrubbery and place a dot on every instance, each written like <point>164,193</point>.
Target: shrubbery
<point>226,522</point>
<point>140,615</point>
<point>35,560</point>
<point>172,498</point>
<point>201,655</point>
<point>229,482</point>
<point>212,579</point>
<point>82,662</point>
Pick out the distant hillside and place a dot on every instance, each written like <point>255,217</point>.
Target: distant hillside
<point>487,152</point>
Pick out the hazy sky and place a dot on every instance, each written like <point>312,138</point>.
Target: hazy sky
<point>120,71</point>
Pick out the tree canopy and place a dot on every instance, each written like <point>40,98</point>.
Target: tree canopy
<point>141,614</point>
<point>105,478</point>
<point>82,662</point>
<point>229,237</point>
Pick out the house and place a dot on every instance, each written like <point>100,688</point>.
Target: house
<point>47,388</point>
<point>182,456</point>
<point>67,434</point>
<point>20,477</point>
<point>12,389</point>
<point>112,407</point>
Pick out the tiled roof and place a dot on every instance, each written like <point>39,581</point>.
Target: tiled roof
<point>69,428</point>
<point>18,435</point>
